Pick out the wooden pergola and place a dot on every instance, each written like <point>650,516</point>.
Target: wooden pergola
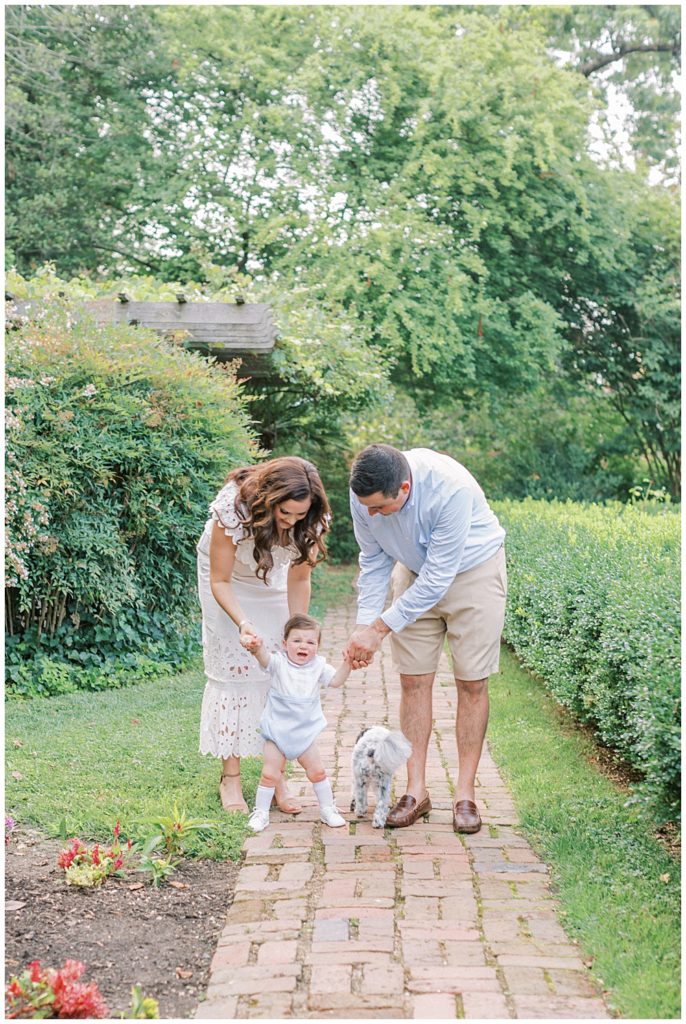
<point>223,330</point>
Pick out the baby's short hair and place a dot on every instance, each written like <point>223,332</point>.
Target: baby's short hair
<point>301,621</point>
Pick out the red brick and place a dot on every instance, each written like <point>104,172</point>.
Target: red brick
<point>484,1006</point>
<point>218,1009</point>
<point>560,1007</point>
<point>331,978</point>
<point>382,979</point>
<point>230,955</point>
<point>437,1006</point>
<point>277,952</point>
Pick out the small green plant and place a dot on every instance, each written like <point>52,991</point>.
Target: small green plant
<point>175,830</point>
<point>142,1007</point>
<point>159,868</point>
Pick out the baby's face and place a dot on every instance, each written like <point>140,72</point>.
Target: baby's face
<point>302,645</point>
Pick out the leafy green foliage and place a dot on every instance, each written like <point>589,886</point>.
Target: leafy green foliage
<point>116,443</point>
<point>623,312</point>
<point>84,177</point>
<point>593,608</point>
<point>421,174</point>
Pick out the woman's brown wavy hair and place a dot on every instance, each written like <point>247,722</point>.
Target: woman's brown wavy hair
<point>262,488</point>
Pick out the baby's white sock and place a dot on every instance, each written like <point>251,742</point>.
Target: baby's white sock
<point>324,793</point>
<point>263,798</point>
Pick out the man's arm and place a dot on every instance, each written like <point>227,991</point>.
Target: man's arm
<point>375,568</point>
<point>443,558</point>
<point>375,572</point>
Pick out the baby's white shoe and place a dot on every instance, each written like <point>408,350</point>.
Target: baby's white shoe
<point>330,816</point>
<point>258,820</point>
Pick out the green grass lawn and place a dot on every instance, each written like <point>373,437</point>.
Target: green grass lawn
<point>85,760</point>
<point>618,887</point>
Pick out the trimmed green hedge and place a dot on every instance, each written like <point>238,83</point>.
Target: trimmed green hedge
<point>116,443</point>
<point>594,609</point>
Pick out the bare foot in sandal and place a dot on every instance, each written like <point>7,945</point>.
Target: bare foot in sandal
<point>231,793</point>
<point>283,799</point>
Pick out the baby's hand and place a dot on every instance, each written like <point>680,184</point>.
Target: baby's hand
<point>251,642</point>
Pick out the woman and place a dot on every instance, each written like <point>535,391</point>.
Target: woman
<point>264,535</point>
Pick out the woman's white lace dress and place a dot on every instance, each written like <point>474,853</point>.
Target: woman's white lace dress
<point>236,688</point>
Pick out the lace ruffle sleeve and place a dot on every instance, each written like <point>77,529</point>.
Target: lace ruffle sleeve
<point>223,511</point>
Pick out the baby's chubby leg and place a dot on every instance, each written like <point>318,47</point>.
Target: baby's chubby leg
<point>272,769</point>
<point>313,764</point>
<point>273,766</point>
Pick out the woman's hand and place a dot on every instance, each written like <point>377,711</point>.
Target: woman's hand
<point>248,637</point>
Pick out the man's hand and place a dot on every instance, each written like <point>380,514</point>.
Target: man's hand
<point>365,642</point>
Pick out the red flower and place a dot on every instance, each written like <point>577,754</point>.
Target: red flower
<point>117,830</point>
<point>74,1000</point>
<point>35,972</point>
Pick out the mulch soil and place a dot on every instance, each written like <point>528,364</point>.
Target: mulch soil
<point>124,932</point>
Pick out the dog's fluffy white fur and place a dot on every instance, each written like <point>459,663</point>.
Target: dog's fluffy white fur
<point>377,754</point>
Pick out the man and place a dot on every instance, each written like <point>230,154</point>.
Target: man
<point>422,523</point>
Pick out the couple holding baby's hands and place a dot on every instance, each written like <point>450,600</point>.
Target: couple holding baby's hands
<point>424,528</point>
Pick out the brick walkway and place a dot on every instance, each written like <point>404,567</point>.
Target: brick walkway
<point>407,923</point>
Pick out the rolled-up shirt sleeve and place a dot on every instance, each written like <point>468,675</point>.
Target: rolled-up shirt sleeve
<point>444,555</point>
<point>375,570</point>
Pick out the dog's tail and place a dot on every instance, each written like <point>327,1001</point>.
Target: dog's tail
<point>393,752</point>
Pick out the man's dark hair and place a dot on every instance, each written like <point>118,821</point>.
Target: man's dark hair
<point>379,468</point>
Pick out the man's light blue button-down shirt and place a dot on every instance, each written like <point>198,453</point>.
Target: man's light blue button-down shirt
<point>445,527</point>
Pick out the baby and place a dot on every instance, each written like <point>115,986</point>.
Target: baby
<point>292,717</point>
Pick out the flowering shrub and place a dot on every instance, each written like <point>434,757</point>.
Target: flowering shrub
<point>116,443</point>
<point>45,992</point>
<point>88,867</point>
<point>9,827</point>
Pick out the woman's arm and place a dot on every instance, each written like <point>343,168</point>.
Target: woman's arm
<point>299,588</point>
<point>222,559</point>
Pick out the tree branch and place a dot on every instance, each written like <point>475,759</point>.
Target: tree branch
<point>625,48</point>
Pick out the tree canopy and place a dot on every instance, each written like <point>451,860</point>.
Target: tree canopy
<point>426,178</point>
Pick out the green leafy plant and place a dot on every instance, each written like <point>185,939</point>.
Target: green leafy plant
<point>176,829</point>
<point>594,609</point>
<point>142,1007</point>
<point>116,442</point>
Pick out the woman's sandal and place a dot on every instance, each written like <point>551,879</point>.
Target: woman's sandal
<point>229,808</point>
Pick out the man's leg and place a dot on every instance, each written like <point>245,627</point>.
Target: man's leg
<point>415,722</point>
<point>470,730</point>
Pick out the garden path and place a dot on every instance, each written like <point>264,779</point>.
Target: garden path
<point>407,923</point>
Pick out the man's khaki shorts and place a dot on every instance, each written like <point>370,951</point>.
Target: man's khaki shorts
<point>471,613</point>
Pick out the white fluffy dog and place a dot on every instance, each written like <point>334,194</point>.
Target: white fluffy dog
<point>377,754</point>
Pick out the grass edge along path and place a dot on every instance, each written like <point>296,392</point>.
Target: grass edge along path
<point>617,886</point>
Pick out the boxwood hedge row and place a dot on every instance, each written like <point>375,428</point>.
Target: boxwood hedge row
<point>593,608</point>
<point>116,442</point>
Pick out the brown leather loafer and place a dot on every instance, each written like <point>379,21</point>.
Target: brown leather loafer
<point>407,810</point>
<point>466,817</point>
